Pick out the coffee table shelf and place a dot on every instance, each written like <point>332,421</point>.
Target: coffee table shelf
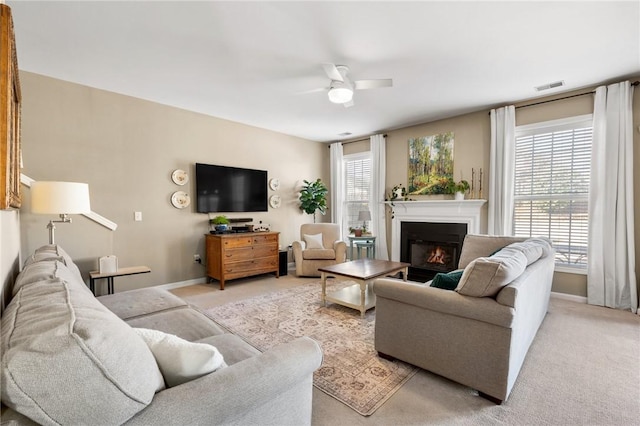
<point>363,271</point>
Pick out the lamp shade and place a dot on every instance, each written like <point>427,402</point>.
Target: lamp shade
<point>364,215</point>
<point>60,198</point>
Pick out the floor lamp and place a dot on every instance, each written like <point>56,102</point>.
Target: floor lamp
<point>63,198</point>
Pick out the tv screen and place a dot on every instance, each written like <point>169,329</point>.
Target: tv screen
<point>230,189</point>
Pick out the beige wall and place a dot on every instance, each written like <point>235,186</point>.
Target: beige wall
<point>126,149</point>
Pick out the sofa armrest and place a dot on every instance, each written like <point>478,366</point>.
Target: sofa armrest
<point>234,391</point>
<point>445,301</point>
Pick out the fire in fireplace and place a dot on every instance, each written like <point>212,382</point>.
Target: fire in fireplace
<point>434,256</point>
<point>431,247</point>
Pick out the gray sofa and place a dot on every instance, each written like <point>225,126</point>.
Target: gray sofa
<point>479,334</point>
<point>71,358</point>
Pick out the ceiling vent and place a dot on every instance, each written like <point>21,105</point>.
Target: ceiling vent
<point>550,86</point>
<point>345,134</point>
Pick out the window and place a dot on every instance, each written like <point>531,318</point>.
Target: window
<point>552,173</point>
<point>357,169</point>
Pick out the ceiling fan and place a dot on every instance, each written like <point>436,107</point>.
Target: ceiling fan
<point>340,91</point>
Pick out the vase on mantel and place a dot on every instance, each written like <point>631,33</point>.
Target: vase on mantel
<point>459,196</point>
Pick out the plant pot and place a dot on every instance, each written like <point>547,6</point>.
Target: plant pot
<point>221,227</point>
<point>459,196</point>
<point>358,232</point>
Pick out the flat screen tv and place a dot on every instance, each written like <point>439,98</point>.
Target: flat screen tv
<point>230,189</point>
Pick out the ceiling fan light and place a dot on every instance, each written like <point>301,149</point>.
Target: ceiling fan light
<point>340,95</point>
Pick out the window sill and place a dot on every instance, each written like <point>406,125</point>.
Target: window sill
<point>569,270</point>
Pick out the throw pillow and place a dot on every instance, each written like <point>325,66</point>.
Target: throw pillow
<point>485,276</point>
<point>180,360</point>
<point>448,281</point>
<point>313,241</point>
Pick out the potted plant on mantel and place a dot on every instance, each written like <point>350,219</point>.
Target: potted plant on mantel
<point>220,223</point>
<point>458,188</point>
<point>313,197</point>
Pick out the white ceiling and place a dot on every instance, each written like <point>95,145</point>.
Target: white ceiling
<point>250,61</point>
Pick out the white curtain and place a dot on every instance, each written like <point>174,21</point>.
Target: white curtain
<point>337,183</point>
<point>502,170</point>
<point>378,188</point>
<point>611,279</point>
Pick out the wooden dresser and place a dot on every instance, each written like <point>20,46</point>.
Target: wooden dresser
<point>232,256</point>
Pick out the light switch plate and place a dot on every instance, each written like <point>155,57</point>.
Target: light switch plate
<point>137,216</point>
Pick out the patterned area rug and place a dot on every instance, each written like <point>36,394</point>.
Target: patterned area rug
<point>351,370</point>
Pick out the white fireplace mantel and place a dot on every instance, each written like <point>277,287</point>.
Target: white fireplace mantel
<point>445,211</point>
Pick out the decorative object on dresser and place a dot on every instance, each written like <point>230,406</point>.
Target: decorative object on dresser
<point>240,255</point>
<point>219,223</point>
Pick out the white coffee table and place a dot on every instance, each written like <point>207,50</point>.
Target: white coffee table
<point>363,271</point>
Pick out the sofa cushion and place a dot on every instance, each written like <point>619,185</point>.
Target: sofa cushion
<point>232,347</point>
<point>475,246</point>
<point>184,322</point>
<point>313,241</point>
<point>485,276</point>
<point>52,268</point>
<point>179,360</point>
<point>319,254</point>
<point>54,252</point>
<point>531,249</point>
<point>134,303</point>
<point>59,344</point>
<point>448,281</point>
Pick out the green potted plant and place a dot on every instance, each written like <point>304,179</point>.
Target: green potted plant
<point>313,197</point>
<point>220,223</point>
<point>357,231</point>
<point>458,188</point>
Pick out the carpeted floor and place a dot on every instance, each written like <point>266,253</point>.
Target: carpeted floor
<point>583,368</point>
<point>351,371</point>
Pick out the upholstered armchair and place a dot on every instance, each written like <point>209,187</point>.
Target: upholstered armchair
<point>319,246</point>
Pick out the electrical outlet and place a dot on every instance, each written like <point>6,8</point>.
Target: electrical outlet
<point>196,258</point>
<point>137,216</point>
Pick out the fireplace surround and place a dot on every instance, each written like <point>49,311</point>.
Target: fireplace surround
<point>431,247</point>
<point>450,217</point>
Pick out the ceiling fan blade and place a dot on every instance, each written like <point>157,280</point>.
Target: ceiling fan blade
<point>319,89</point>
<point>349,104</point>
<point>332,72</point>
<point>373,84</point>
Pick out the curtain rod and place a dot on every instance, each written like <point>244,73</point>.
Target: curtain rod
<point>357,140</point>
<point>635,83</point>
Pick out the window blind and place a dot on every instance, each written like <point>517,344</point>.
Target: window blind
<point>552,174</point>
<point>357,186</point>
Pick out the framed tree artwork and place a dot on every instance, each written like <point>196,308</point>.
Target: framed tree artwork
<point>9,114</point>
<point>430,164</point>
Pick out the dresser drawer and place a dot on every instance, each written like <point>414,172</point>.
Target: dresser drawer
<point>265,239</point>
<point>238,254</point>
<point>265,251</point>
<point>238,242</point>
<point>270,264</point>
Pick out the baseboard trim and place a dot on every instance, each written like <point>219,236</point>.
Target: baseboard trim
<point>570,297</point>
<point>179,284</point>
